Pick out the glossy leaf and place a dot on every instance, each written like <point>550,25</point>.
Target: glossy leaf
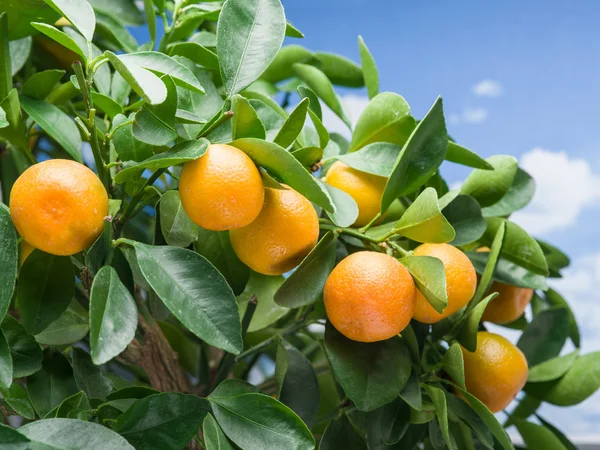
<point>377,158</point>
<point>464,214</point>
<point>40,84</point>
<point>214,438</point>
<point>537,437</point>
<point>6,363</point>
<point>508,272</point>
<point>517,197</point>
<point>282,164</point>
<point>341,434</point>
<point>69,405</point>
<point>52,384</point>
<point>369,68</point>
<point>163,421</point>
<point>565,440</point>
<point>18,400</point>
<point>421,156</point>
<point>346,209</point>
<point>245,122</point>
<point>461,155</point>
<point>281,67</point>
<point>113,316</point>
<point>320,84</point>
<point>489,186</point>
<point>460,408</point>
<point>177,228</point>
<point>545,336</point>
<point>385,119</point>
<point>424,222</point>
<point>518,246</point>
<point>253,420</point>
<point>71,434</point>
<point>206,306</point>
<point>293,125</point>
<point>441,410</point>
<point>79,13</point>
<point>25,351</point>
<point>8,259</point>
<point>13,439</point>
<point>103,102</point>
<point>47,283</point>
<point>70,327</point>
<point>267,311</point>
<point>249,35</point>
<point>56,123</point>
<point>196,53</point>
<point>454,365</point>
<point>61,37</point>
<point>216,247</point>
<point>411,393</point>
<point>155,124</point>
<point>305,285</point>
<point>340,70</point>
<point>89,377</point>
<point>179,154</point>
<point>112,30</point>
<point>552,369</point>
<point>297,383</point>
<point>555,299</point>
<point>467,335</point>
<point>371,375</point>
<point>314,104</point>
<point>126,145</point>
<point>429,275</point>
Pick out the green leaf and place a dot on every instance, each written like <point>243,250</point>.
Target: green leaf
<point>245,122</point>
<point>463,411</point>
<point>454,365</point>
<point>216,247</point>
<point>162,421</point>
<point>179,154</point>
<point>6,73</point>
<point>196,53</point>
<point>25,351</point>
<point>537,437</point>
<point>71,434</point>
<point>292,31</point>
<point>464,214</point>
<point>102,78</point>
<point>320,84</point>
<point>545,336</point>
<point>555,299</point>
<point>145,83</point>
<point>89,377</point>
<point>341,434</point>
<point>52,384</point>
<point>293,125</point>
<point>113,316</point>
<point>314,104</point>
<point>106,104</point>
<point>371,375</point>
<point>119,89</point>
<point>395,420</point>
<point>79,13</point>
<point>6,363</point>
<point>430,277</point>
<point>340,70</point>
<point>75,402</point>
<point>423,221</point>
<point>206,306</point>
<point>112,30</point>
<point>508,272</point>
<point>13,439</point>
<point>467,335</point>
<point>177,228</point>
<point>346,209</point>
<point>441,410</point>
<point>18,400</point>
<point>552,369</point>
<point>518,247</point>
<point>155,124</point>
<point>46,286</point>
<point>40,84</point>
<point>70,327</point>
<point>297,382</point>
<point>307,156</point>
<point>282,164</point>
<point>281,67</point>
<point>56,123</point>
<point>377,158</point>
<point>411,393</point>
<point>488,187</point>
<point>249,35</point>
<point>421,156</point>
<point>369,69</point>
<point>3,122</point>
<point>565,441</point>
<point>9,258</point>
<point>556,259</point>
<point>517,197</point>
<point>62,38</point>
<point>15,132</point>
<point>214,438</point>
<point>267,311</point>
<point>385,119</point>
<point>126,145</point>
<point>253,420</point>
<point>305,285</point>
<point>461,155</point>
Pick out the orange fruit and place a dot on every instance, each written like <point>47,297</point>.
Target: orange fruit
<point>461,281</point>
<point>26,250</point>
<point>509,305</point>
<point>369,297</point>
<point>366,189</point>
<point>222,189</point>
<point>496,371</point>
<point>59,206</point>
<point>284,232</point>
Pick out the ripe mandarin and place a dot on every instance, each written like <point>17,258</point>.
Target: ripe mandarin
<point>366,189</point>
<point>496,371</point>
<point>284,232</point>
<point>222,189</point>
<point>59,206</point>
<point>369,297</point>
<point>509,305</point>
<point>461,281</point>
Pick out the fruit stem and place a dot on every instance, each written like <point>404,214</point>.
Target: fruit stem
<point>399,249</point>
<point>348,231</point>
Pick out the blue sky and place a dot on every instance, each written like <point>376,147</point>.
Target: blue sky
<point>519,78</point>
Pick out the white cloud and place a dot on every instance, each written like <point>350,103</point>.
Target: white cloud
<point>487,88</point>
<point>354,105</point>
<point>565,186</point>
<point>468,116</point>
